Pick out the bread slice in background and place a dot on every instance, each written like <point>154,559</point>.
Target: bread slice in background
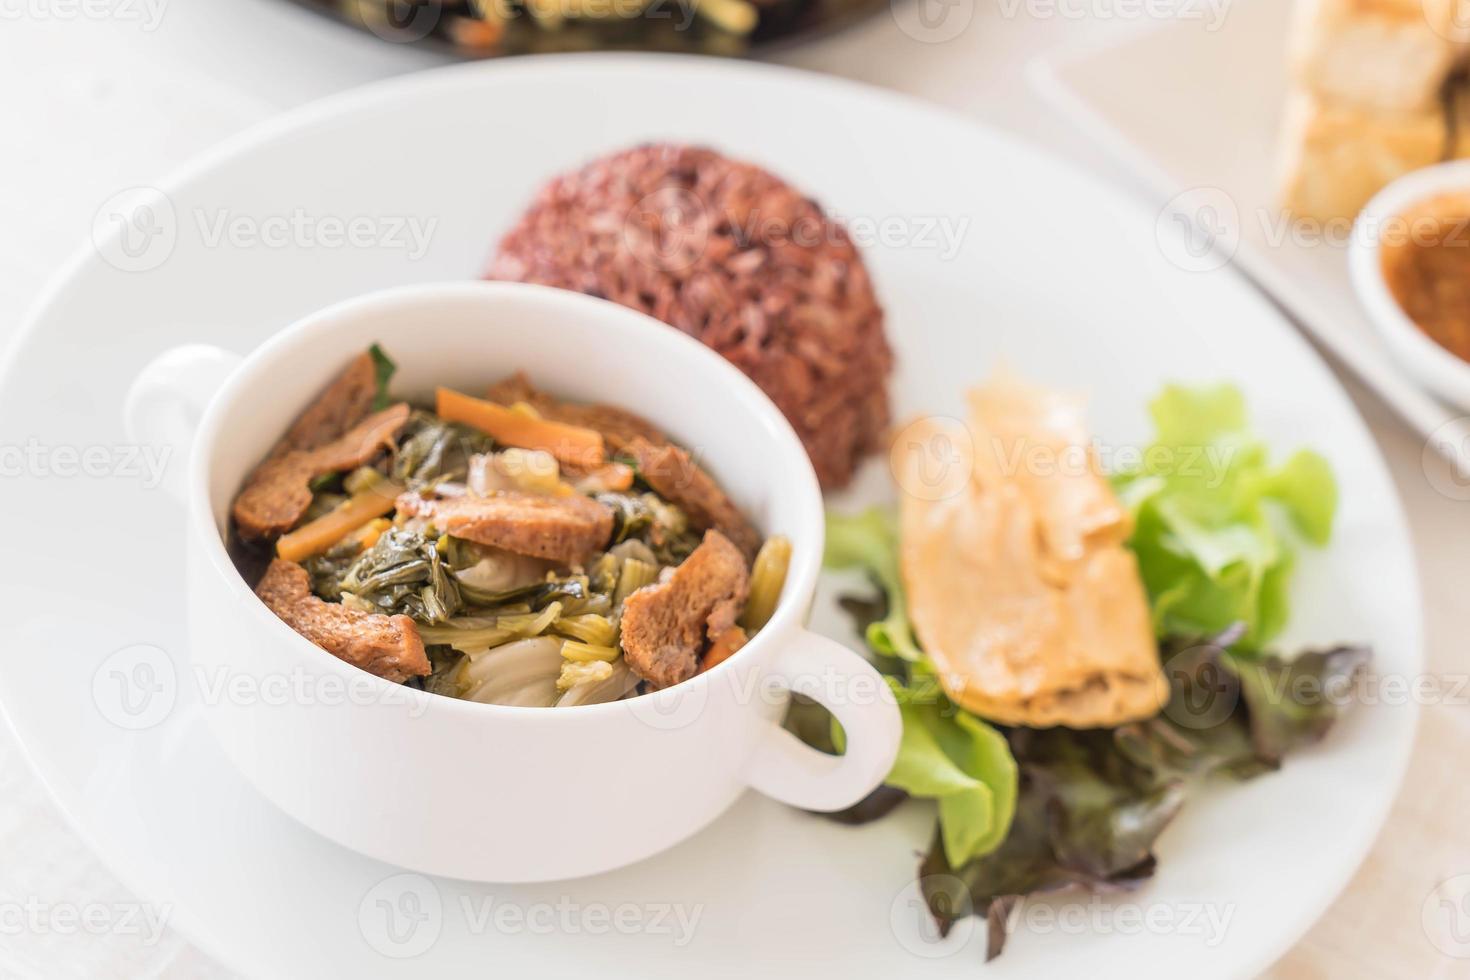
<point>1336,157</point>
<point>1458,99</point>
<point>1390,55</point>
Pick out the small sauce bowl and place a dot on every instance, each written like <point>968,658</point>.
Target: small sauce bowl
<point>1388,221</point>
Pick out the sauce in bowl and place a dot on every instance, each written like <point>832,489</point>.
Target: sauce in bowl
<point>1427,270</point>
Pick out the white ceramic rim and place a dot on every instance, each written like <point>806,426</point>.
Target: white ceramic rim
<point>1444,373</point>
<point>635,329</point>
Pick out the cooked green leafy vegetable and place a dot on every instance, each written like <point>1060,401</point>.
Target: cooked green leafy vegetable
<point>435,451</point>
<point>403,574</point>
<point>328,570</point>
<point>631,516</point>
<point>327,481</point>
<point>383,368</point>
<point>656,522</point>
<point>1092,803</point>
<point>1209,509</point>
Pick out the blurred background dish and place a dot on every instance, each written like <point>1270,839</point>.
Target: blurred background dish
<point>1210,145</point>
<point>1408,263</point>
<point>492,28</point>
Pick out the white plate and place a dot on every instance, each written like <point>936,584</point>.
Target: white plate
<point>1195,112</point>
<point>1057,275</point>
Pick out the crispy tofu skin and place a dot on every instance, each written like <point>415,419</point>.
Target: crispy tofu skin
<point>667,626</point>
<point>564,529</point>
<point>278,493</point>
<point>1019,584</point>
<point>388,646</point>
<point>674,475</point>
<point>617,426</point>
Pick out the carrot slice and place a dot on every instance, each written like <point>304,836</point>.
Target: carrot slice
<point>723,647</point>
<point>570,444</point>
<point>317,536</point>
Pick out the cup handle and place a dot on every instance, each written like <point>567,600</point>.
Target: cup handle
<point>848,686</point>
<point>167,399</point>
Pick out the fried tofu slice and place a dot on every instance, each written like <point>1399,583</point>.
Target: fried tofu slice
<point>278,493</point>
<point>1388,55</point>
<point>617,426</point>
<point>1335,158</point>
<point>674,475</point>
<point>666,626</point>
<point>345,402</point>
<point>564,529</point>
<point>389,646</point>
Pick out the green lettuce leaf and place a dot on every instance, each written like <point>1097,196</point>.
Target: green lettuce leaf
<point>1211,514</point>
<point>869,541</point>
<point>946,754</point>
<point>949,755</point>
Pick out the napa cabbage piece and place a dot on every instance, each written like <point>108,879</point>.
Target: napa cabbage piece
<point>520,673</point>
<point>594,682</point>
<point>1215,521</point>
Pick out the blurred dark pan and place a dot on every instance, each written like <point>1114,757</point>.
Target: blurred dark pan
<point>719,27</point>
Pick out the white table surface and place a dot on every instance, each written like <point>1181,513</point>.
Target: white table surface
<point>96,105</point>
